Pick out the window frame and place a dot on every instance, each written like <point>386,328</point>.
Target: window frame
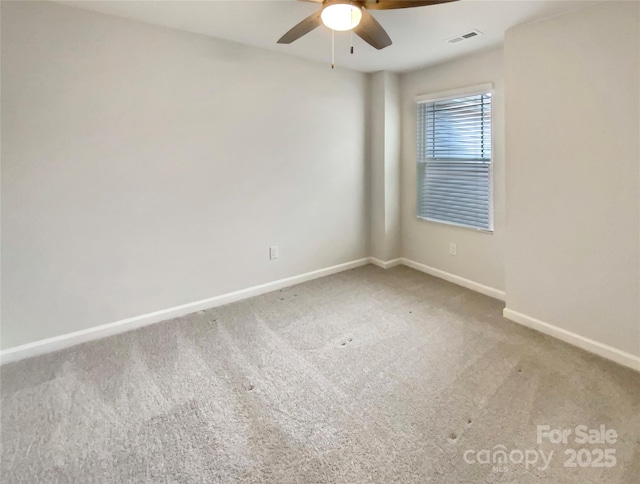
<point>453,94</point>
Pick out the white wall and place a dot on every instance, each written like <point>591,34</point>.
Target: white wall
<point>480,256</point>
<point>573,165</point>
<point>384,121</point>
<point>144,168</point>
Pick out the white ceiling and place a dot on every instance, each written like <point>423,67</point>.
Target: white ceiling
<point>419,34</point>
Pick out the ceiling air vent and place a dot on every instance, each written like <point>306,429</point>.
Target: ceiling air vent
<point>469,35</point>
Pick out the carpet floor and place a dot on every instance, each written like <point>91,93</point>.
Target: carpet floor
<point>364,376</point>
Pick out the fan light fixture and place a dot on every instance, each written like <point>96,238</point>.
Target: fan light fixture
<point>341,16</point>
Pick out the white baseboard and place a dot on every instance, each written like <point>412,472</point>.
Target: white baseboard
<point>385,264</point>
<point>600,349</point>
<point>97,332</point>
<point>461,281</point>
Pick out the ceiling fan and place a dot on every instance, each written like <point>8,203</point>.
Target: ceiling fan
<point>344,15</point>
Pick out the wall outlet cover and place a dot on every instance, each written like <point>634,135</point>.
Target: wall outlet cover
<point>453,248</point>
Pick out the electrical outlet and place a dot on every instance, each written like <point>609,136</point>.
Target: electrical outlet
<point>453,248</point>
<point>273,252</point>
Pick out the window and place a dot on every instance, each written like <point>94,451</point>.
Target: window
<point>454,158</point>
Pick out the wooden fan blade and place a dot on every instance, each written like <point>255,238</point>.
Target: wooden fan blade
<point>372,32</point>
<point>393,4</point>
<point>303,28</point>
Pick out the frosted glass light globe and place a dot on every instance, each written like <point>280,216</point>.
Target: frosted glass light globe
<point>341,16</point>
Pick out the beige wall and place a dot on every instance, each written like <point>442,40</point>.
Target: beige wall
<point>376,165</point>
<point>573,164</point>
<point>480,256</point>
<point>144,168</point>
<point>384,120</point>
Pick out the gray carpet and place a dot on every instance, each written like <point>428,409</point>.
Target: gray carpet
<point>364,376</point>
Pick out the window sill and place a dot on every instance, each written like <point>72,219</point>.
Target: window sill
<point>453,224</point>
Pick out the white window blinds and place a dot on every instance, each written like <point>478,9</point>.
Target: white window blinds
<point>454,160</point>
